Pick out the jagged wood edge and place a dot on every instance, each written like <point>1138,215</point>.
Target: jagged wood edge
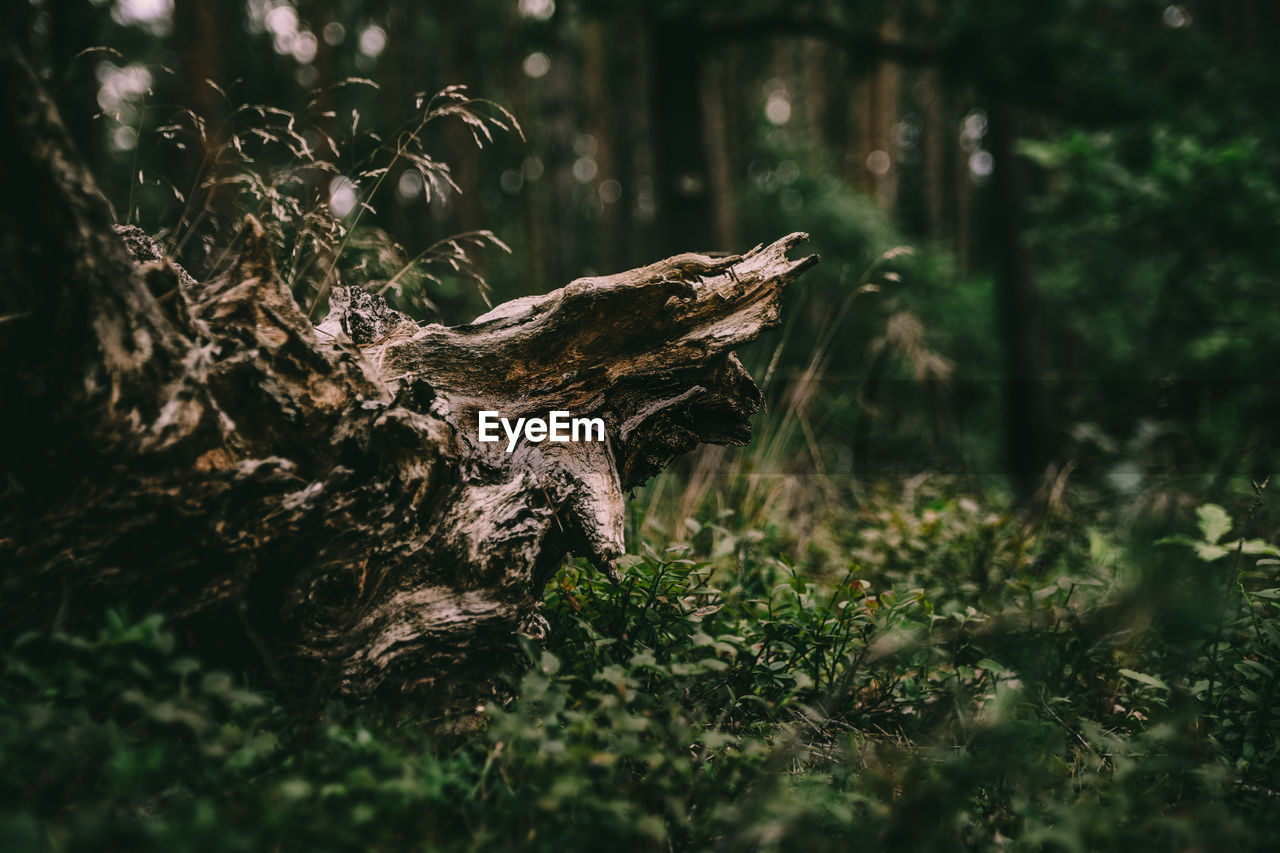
<point>314,503</point>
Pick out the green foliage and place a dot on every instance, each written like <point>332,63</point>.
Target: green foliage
<point>1176,297</point>
<point>819,662</point>
<point>720,698</point>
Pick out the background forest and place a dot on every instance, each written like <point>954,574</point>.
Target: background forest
<point>998,567</point>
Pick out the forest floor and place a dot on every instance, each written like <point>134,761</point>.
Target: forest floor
<point>931,673</point>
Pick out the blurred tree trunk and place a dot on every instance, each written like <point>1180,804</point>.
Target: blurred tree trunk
<point>962,184</point>
<point>196,37</point>
<point>315,502</point>
<point>681,178</point>
<point>1028,432</point>
<point>817,61</point>
<point>198,46</point>
<point>563,84</point>
<point>886,109</point>
<point>600,107</point>
<point>936,141</point>
<point>458,62</point>
<point>716,92</point>
<point>877,107</point>
<point>641,192</point>
<point>861,137</point>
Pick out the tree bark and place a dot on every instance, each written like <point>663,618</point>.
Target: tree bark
<point>313,501</point>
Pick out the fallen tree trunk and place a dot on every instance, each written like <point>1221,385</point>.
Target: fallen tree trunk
<point>315,501</point>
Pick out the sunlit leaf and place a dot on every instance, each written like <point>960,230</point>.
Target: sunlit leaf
<point>1214,522</point>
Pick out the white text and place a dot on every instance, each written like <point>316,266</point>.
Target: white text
<point>560,427</point>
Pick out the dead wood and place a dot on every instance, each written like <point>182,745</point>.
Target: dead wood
<point>310,499</point>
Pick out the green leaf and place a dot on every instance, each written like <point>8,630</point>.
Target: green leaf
<point>1253,670</point>
<point>1257,546</point>
<point>1142,677</point>
<point>550,664</point>
<point>1178,539</point>
<point>1208,552</point>
<point>1214,522</point>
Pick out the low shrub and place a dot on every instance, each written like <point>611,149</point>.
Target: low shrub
<point>722,699</point>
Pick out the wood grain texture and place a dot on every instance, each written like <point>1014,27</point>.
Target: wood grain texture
<point>313,500</point>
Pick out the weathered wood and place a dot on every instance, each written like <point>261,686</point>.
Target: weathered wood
<point>314,500</point>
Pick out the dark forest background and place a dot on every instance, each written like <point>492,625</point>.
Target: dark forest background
<point>1089,188</point>
<point>1020,420</point>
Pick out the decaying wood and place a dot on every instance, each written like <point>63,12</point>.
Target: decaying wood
<point>314,500</point>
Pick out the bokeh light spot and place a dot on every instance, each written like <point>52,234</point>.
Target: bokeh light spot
<point>282,20</point>
<point>778,108</point>
<point>124,138</point>
<point>610,191</point>
<point>879,162</point>
<point>333,33</point>
<point>1176,17</point>
<point>409,186</point>
<point>539,10</point>
<point>373,40</point>
<point>584,169</point>
<point>305,47</point>
<point>537,65</point>
<point>119,87</point>
<point>155,16</point>
<point>511,181</point>
<point>342,196</point>
<point>981,164</point>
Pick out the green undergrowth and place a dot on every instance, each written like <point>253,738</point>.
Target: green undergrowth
<point>964,679</point>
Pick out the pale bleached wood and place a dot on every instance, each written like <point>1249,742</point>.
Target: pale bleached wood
<point>313,500</point>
